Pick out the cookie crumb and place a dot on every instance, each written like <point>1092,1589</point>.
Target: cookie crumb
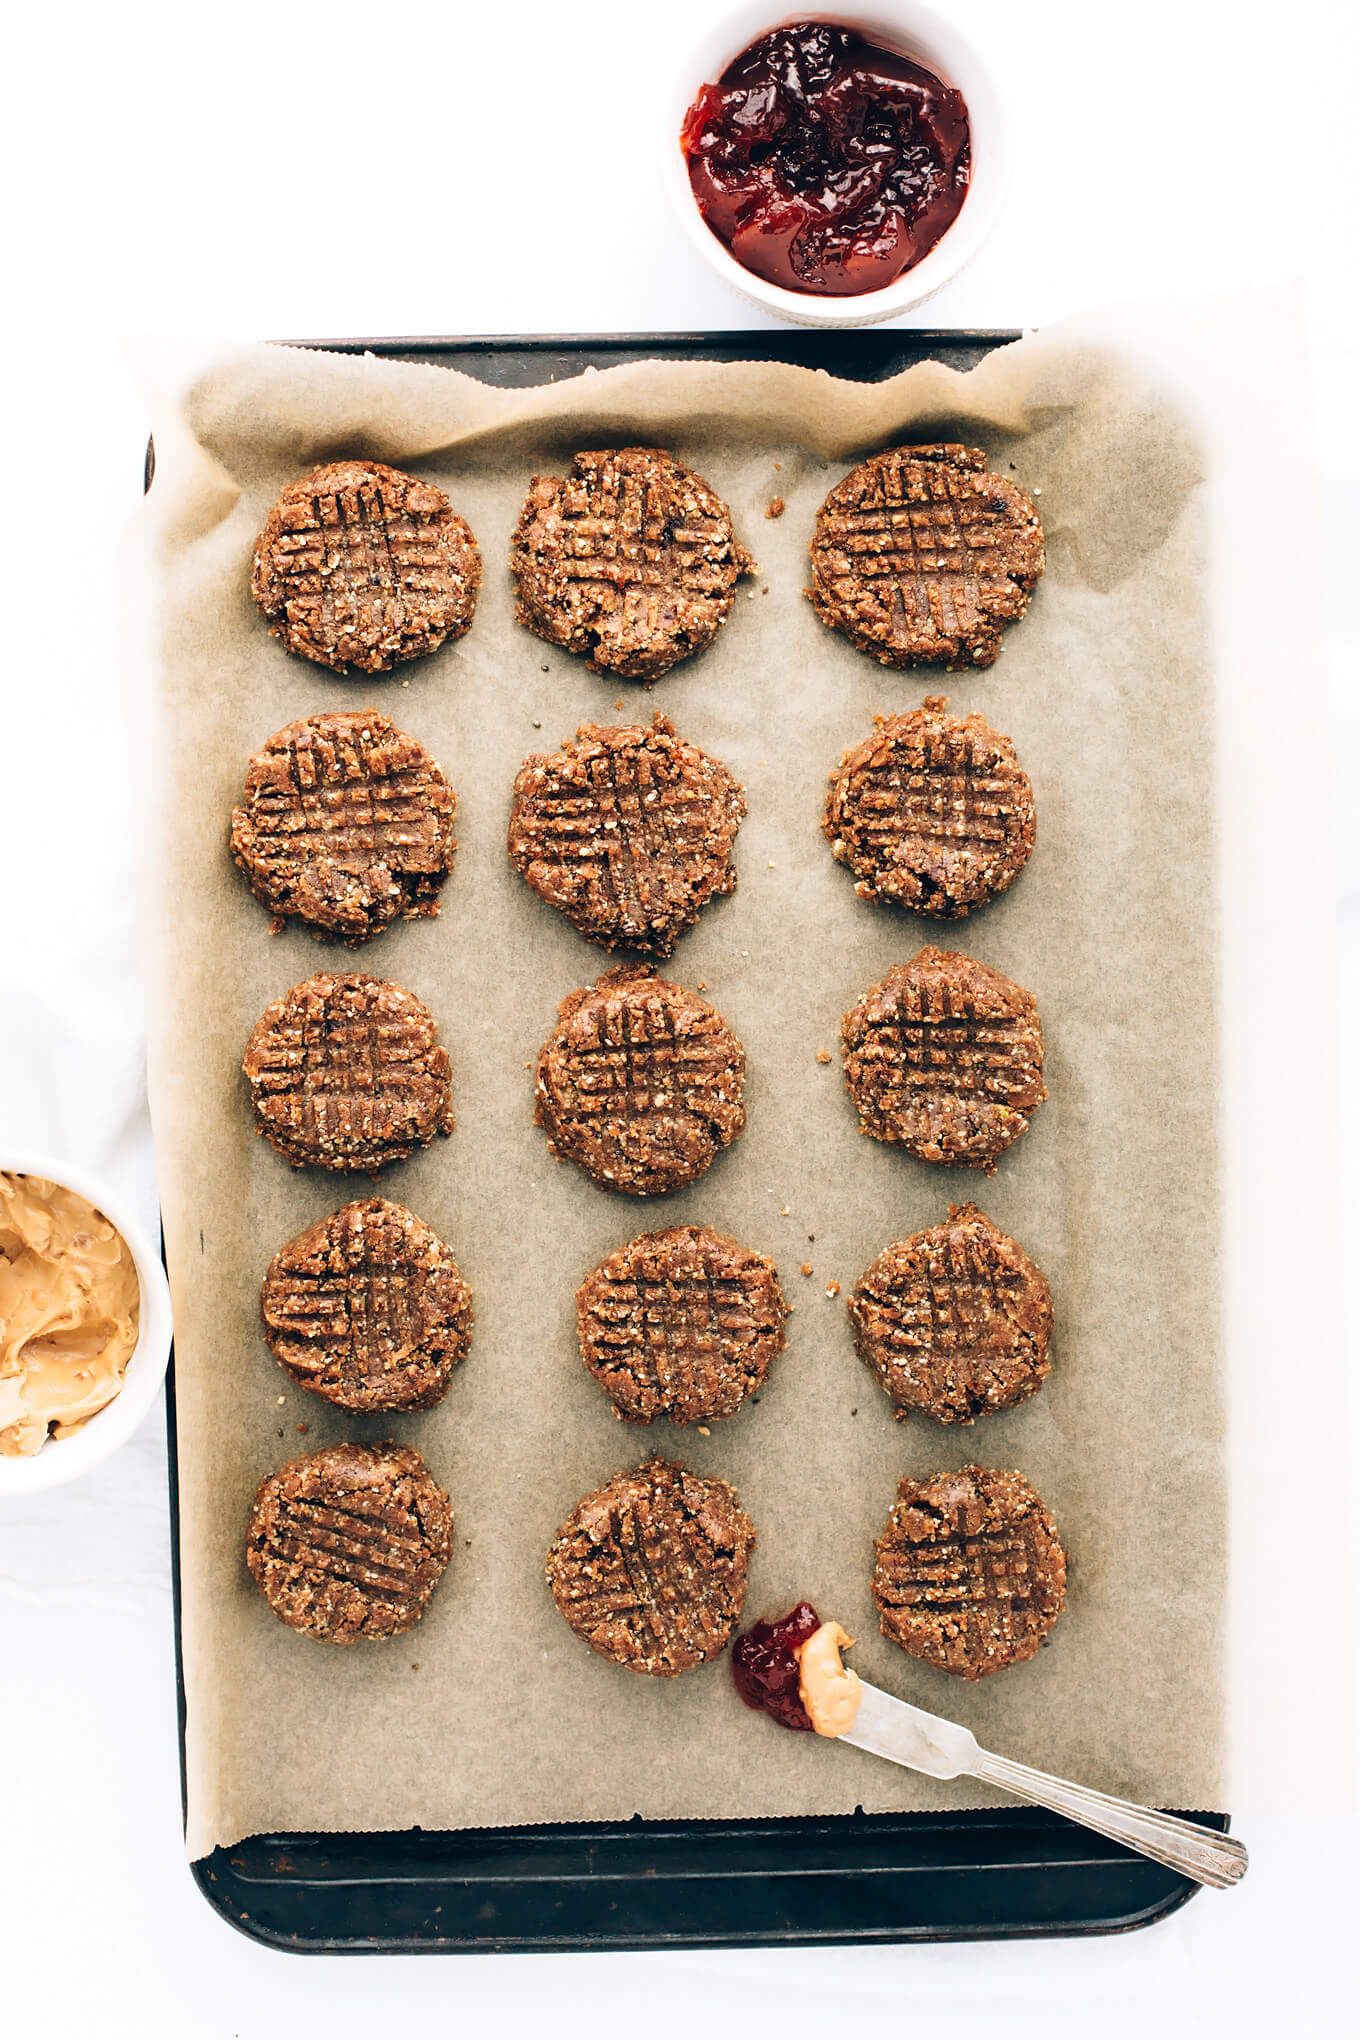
<point>304,1429</point>
<point>775,507</point>
<point>833,1288</point>
<point>783,1211</point>
<point>703,1430</point>
<point>807,1267</point>
<point>822,1056</point>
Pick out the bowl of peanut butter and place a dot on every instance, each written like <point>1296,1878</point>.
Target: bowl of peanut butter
<point>84,1323</point>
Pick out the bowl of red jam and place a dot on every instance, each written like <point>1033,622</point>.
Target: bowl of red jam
<point>838,169</point>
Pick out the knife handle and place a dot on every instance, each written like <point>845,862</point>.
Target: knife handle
<point>1197,1852</point>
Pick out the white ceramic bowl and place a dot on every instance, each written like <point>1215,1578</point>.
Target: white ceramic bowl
<point>915,32</point>
<point>63,1459</point>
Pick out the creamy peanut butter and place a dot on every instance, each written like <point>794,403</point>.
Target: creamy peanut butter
<point>830,1691</point>
<point>69,1302</point>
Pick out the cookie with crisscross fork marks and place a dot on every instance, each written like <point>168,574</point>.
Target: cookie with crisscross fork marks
<point>640,1083</point>
<point>681,1324</point>
<point>651,1568</point>
<point>368,1309</point>
<point>361,565</point>
<point>946,1058</point>
<point>955,1320</point>
<point>345,1073</point>
<point>628,832</point>
<point>969,1573</point>
<point>932,812</point>
<point>629,560</point>
<point>346,824</point>
<point>350,1543</point>
<point>921,557</point>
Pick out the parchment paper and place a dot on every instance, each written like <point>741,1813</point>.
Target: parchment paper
<point>491,1711</point>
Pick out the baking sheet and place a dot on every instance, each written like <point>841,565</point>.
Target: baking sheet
<point>491,1712</point>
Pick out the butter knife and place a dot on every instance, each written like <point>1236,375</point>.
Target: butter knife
<point>907,1735</point>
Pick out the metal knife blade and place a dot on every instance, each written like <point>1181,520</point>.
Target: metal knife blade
<point>892,1728</point>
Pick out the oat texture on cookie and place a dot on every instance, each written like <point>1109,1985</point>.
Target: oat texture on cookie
<point>969,1573</point>
<point>368,1309</point>
<point>345,1073</point>
<point>640,1083</point>
<point>650,1570</point>
<point>932,813</point>
<point>954,1321</point>
<point>360,565</point>
<point>921,557</point>
<point>945,1058</point>
<point>628,560</point>
<point>346,824</point>
<point>628,832</point>
<point>349,1543</point>
<point>681,1324</point>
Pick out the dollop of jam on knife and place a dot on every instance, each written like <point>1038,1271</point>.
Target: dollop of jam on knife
<point>765,1664</point>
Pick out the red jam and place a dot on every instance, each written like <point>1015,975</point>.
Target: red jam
<point>765,1668</point>
<point>824,163</point>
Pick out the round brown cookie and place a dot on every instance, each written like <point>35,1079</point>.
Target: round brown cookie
<point>651,1568</point>
<point>931,812</point>
<point>345,1073</point>
<point>347,824</point>
<point>361,565</point>
<point>681,1324</point>
<point>630,560</point>
<point>955,1320</point>
<point>920,557</point>
<point>368,1309</point>
<point>945,1057</point>
<point>969,1573</point>
<point>640,1083</point>
<point>627,832</point>
<point>350,1542</point>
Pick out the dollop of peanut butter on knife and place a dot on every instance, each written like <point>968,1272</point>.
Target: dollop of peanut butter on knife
<point>830,1691</point>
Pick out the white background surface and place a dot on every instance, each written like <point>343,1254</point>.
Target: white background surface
<point>444,169</point>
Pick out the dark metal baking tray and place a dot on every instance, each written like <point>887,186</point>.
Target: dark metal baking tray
<point>678,1884</point>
